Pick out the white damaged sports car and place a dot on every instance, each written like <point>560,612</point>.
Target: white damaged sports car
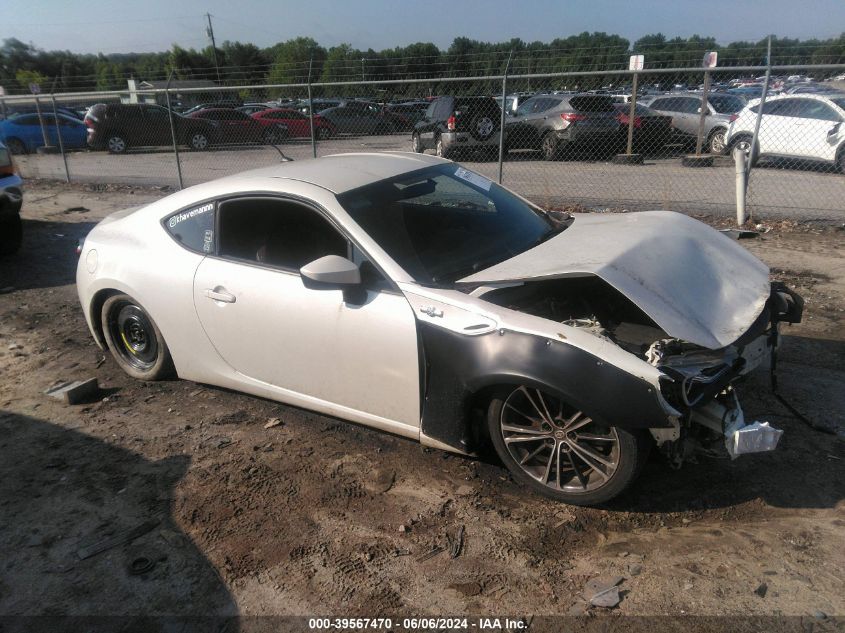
<point>407,293</point>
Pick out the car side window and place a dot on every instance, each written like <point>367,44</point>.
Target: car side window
<point>812,109</point>
<point>156,113</point>
<point>30,119</point>
<point>689,106</point>
<point>193,227</point>
<point>783,107</point>
<point>667,105</point>
<point>276,233</point>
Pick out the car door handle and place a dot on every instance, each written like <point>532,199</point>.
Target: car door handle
<point>220,295</point>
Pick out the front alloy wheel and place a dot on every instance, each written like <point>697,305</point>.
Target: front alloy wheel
<point>198,141</point>
<point>717,141</point>
<point>560,451</point>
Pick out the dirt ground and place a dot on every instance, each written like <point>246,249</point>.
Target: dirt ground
<point>199,508</point>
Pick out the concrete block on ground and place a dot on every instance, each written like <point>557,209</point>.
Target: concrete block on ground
<point>75,392</point>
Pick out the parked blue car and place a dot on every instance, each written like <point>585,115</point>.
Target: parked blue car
<point>22,133</point>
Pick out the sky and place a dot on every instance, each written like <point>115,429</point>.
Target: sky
<point>115,26</point>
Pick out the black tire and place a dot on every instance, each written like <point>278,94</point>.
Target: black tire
<point>198,141</point>
<point>840,161</point>
<point>15,146</point>
<point>272,136</point>
<point>11,234</point>
<point>323,133</point>
<point>116,143</point>
<point>482,127</point>
<point>134,339</point>
<point>629,452</point>
<point>441,151</point>
<point>550,147</point>
<point>416,144</point>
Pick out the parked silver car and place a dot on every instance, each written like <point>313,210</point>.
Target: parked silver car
<point>685,110</point>
<point>552,123</point>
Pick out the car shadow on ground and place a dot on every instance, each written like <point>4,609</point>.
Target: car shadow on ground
<point>91,523</point>
<point>47,258</point>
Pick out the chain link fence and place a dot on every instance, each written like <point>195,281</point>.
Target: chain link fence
<point>614,140</point>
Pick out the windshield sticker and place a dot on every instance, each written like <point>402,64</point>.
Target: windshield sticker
<point>473,178</point>
<point>187,215</point>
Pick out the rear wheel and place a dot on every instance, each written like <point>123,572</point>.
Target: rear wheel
<point>550,147</point>
<point>134,339</point>
<point>15,145</point>
<point>416,143</point>
<point>441,150</point>
<point>11,234</point>
<point>561,452</point>
<point>116,144</point>
<point>198,141</point>
<point>323,133</point>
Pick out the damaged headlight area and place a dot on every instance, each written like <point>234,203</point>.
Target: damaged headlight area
<point>700,383</point>
<point>697,383</point>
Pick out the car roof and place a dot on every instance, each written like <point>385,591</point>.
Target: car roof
<point>826,97</point>
<point>339,173</point>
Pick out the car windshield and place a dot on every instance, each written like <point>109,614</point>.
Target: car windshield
<point>443,223</point>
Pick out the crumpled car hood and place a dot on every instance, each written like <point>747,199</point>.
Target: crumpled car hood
<point>695,283</point>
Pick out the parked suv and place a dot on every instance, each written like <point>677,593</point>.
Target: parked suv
<point>11,198</point>
<point>803,126</point>
<point>457,124</point>
<point>552,123</point>
<point>116,127</point>
<point>685,110</point>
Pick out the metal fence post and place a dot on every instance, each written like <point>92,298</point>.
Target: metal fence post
<point>41,122</point>
<point>59,136</point>
<point>632,112</point>
<point>504,114</point>
<point>311,112</point>
<point>703,114</point>
<point>173,131</point>
<point>759,118</point>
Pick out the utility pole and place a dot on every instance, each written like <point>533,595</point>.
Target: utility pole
<point>210,32</point>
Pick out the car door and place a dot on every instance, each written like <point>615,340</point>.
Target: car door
<point>780,128</point>
<point>74,133</point>
<point>817,130</point>
<point>157,124</point>
<point>306,343</point>
<point>27,128</point>
<point>687,115</point>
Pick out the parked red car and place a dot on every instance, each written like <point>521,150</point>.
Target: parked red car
<point>296,122</point>
<point>234,126</point>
